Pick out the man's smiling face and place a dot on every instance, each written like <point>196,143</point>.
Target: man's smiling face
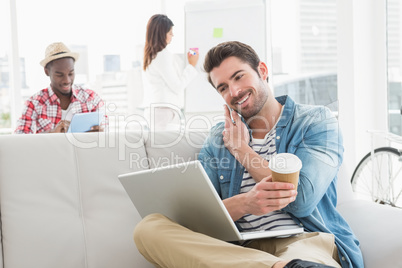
<point>241,87</point>
<point>61,73</point>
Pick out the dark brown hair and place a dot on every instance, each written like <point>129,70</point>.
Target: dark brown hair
<point>155,40</point>
<point>219,53</point>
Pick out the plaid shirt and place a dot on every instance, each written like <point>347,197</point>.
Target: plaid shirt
<point>42,111</point>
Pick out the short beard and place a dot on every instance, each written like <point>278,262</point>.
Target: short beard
<point>260,102</point>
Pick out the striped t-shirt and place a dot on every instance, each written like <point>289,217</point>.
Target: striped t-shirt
<point>274,220</point>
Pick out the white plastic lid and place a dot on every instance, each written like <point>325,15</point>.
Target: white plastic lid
<point>285,163</point>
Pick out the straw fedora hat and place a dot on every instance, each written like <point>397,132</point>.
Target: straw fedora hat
<point>56,51</point>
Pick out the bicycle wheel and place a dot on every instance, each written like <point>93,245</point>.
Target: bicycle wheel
<point>379,178</point>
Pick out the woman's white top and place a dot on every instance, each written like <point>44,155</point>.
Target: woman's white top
<point>165,80</point>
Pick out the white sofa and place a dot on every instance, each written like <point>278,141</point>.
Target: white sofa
<point>62,205</point>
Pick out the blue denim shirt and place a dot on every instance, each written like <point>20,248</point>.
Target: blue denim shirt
<point>311,133</point>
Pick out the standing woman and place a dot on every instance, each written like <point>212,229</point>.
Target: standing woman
<point>165,75</point>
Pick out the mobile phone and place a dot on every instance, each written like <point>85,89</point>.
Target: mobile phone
<point>231,116</point>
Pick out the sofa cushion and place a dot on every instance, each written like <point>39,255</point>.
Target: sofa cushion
<point>378,228</point>
<point>62,204</point>
<point>171,147</point>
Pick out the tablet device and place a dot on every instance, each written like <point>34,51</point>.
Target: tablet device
<point>83,122</point>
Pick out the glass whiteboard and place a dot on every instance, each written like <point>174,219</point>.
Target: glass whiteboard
<point>208,23</point>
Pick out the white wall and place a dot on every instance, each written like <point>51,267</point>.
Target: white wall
<point>362,75</point>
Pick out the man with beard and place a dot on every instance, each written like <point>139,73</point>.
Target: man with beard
<point>51,109</point>
<point>236,156</point>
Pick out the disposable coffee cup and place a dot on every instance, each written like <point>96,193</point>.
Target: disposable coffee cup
<point>285,167</point>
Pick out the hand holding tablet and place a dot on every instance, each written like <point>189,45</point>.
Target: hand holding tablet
<point>83,122</point>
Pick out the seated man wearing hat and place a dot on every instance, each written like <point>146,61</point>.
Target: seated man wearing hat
<point>51,109</point>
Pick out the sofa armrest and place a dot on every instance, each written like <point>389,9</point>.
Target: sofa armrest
<point>378,229</point>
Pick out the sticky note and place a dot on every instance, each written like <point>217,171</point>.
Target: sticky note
<point>218,32</point>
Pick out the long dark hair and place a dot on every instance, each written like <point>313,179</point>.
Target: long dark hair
<point>157,28</point>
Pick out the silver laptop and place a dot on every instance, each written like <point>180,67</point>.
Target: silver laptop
<point>185,194</point>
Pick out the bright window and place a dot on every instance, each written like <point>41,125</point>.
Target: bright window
<point>5,120</point>
<point>394,59</point>
<point>304,43</point>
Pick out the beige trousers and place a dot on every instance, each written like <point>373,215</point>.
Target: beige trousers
<point>165,243</point>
